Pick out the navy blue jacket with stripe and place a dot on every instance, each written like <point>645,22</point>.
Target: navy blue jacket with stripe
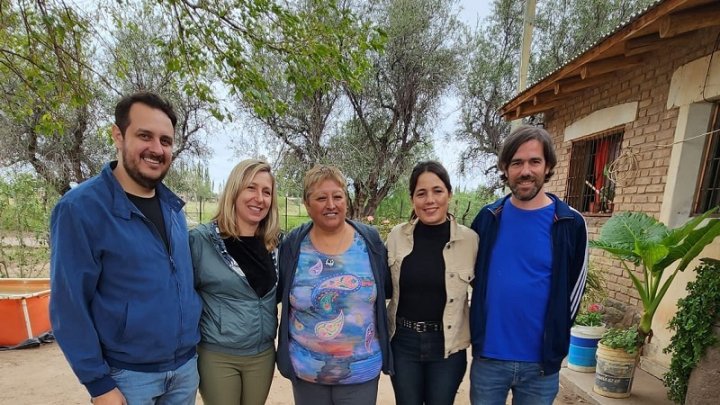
<point>569,272</point>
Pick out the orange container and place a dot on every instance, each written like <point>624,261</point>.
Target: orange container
<point>24,309</point>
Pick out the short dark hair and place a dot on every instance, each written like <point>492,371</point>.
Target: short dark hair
<point>122,109</point>
<point>432,167</point>
<point>517,138</point>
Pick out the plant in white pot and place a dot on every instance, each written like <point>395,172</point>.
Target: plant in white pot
<point>646,248</point>
<point>584,337</point>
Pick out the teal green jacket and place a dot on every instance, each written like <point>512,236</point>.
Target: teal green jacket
<point>234,319</point>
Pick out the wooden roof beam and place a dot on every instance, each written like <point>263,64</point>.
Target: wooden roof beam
<point>573,85</point>
<point>594,69</point>
<point>653,42</point>
<point>523,110</point>
<point>642,22</point>
<point>646,43</point>
<point>543,97</point>
<point>690,20</point>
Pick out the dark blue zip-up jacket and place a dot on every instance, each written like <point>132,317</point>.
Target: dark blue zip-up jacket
<point>289,255</point>
<point>119,297</point>
<point>569,271</point>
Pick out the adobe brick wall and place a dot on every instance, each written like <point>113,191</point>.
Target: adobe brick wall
<point>649,138</point>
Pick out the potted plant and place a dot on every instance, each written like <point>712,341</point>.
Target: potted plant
<point>607,195</point>
<point>617,356</point>
<point>645,244</point>
<point>584,337</point>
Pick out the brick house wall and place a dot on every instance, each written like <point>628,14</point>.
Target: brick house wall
<point>649,137</point>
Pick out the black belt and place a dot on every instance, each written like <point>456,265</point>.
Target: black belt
<point>420,326</point>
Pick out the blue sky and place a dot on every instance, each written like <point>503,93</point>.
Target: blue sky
<point>472,12</point>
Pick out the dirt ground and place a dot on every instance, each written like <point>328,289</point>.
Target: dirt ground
<point>41,376</point>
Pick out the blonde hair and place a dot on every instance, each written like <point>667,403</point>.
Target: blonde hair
<point>320,173</point>
<point>240,177</point>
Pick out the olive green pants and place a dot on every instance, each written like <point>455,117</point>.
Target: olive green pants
<point>228,379</point>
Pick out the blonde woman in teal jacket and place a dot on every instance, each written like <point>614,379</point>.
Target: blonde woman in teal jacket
<point>236,276</point>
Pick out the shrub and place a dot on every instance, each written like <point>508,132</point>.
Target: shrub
<point>693,326</point>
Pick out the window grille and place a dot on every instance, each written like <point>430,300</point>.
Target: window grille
<point>708,194</point>
<point>588,188</point>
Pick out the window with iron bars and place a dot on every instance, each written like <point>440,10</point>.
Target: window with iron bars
<point>588,188</point>
<point>708,191</point>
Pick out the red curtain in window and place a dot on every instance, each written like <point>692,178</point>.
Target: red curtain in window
<point>601,157</point>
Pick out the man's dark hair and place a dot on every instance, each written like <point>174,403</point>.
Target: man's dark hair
<point>122,109</point>
<point>432,167</point>
<point>517,138</point>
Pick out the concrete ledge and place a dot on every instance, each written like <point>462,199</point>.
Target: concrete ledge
<point>646,389</point>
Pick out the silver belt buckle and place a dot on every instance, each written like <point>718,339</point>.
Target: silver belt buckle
<point>420,327</point>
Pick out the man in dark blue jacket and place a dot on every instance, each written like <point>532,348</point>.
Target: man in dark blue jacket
<point>123,306</point>
<point>529,278</point>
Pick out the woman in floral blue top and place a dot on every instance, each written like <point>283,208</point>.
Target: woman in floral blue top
<point>333,338</point>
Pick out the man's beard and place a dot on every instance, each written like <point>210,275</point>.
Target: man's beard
<point>135,174</point>
<point>534,191</point>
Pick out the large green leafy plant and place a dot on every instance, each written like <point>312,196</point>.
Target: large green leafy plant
<point>641,241</point>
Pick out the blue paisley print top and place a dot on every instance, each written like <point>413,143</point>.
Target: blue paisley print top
<point>332,318</point>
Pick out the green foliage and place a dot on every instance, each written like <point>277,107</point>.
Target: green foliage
<point>642,241</point>
<point>465,205</point>
<point>564,28</point>
<point>25,205</point>
<point>140,61</point>
<point>693,325</point>
<point>594,287</point>
<point>231,36</point>
<point>589,319</point>
<point>625,339</point>
<point>48,92</point>
<point>191,180</point>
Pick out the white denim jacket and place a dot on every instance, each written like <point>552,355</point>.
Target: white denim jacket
<point>459,254</point>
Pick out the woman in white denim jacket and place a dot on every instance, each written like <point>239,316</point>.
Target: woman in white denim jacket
<point>432,260</point>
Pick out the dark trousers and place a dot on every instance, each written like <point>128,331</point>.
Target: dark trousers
<point>422,375</point>
<point>307,393</point>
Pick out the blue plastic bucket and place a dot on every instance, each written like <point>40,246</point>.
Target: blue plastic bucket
<point>583,346</point>
<point>581,356</point>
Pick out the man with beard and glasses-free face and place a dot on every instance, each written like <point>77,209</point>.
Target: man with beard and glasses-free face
<point>529,277</point>
<point>123,306</point>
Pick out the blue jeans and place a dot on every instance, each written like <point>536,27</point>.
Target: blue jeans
<point>422,375</point>
<point>177,387</point>
<point>490,381</point>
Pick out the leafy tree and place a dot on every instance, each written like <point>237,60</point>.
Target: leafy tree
<point>395,111</point>
<point>563,28</point>
<point>229,35</point>
<point>489,83</point>
<point>25,204</point>
<point>48,101</point>
<point>140,62</point>
<point>373,128</point>
<point>55,102</point>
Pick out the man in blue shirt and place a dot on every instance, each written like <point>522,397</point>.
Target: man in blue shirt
<point>529,277</point>
<point>123,305</point>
